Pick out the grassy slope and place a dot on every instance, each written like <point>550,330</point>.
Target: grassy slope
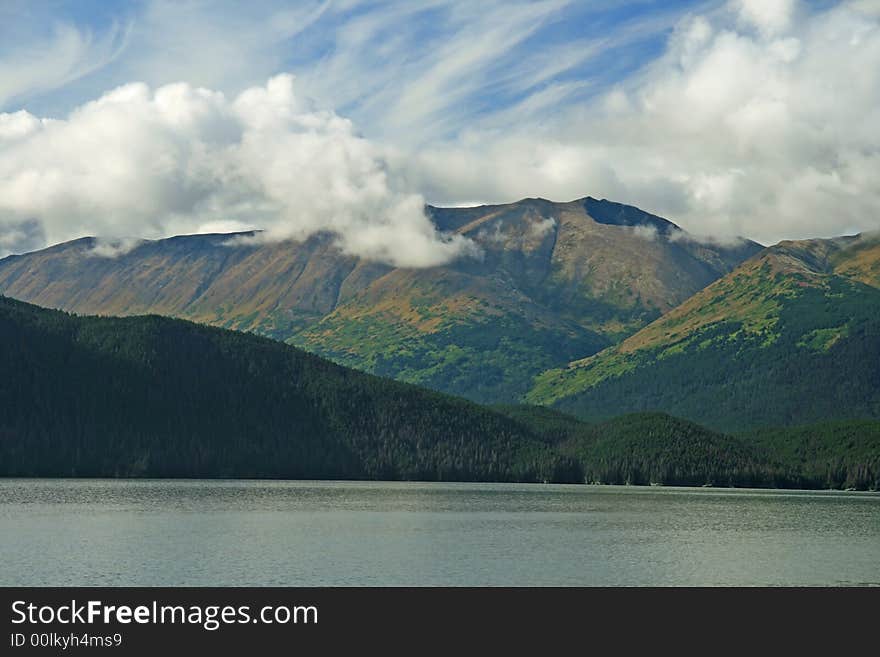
<point>451,332</point>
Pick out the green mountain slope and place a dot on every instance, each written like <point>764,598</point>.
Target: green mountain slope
<point>157,397</point>
<point>791,336</point>
<point>557,281</point>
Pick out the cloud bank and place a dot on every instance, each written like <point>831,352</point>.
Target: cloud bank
<point>759,119</point>
<point>148,163</point>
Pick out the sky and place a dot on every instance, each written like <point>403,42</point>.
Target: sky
<point>143,119</point>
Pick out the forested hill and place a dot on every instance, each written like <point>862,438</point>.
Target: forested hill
<point>659,449</point>
<point>158,397</point>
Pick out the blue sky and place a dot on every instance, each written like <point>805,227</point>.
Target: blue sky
<point>730,117</point>
<point>352,56</point>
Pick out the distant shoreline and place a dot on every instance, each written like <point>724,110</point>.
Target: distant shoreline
<point>445,482</point>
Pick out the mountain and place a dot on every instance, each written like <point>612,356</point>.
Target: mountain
<point>791,336</point>
<point>557,281</point>
<point>158,397</point>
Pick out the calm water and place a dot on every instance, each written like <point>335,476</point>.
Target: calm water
<point>102,532</point>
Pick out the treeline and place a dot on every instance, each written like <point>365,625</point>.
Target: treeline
<point>827,455</point>
<point>659,449</point>
<point>655,448</point>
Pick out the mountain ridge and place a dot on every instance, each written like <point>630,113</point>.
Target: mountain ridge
<point>554,283</point>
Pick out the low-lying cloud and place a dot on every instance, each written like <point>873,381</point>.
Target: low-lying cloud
<point>542,227</point>
<point>646,232</point>
<point>144,163</point>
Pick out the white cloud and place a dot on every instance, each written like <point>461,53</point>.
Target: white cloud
<point>144,163</point>
<point>104,248</point>
<point>866,6</point>
<point>767,133</point>
<point>768,16</point>
<point>541,228</point>
<point>17,124</point>
<point>21,236</point>
<point>646,232</point>
<point>516,236</point>
<point>413,73</point>
<point>494,236</point>
<point>225,45</point>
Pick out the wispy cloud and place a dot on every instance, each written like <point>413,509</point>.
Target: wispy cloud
<point>32,64</point>
<point>405,72</point>
<point>413,74</point>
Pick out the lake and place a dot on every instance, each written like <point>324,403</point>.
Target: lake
<point>273,533</point>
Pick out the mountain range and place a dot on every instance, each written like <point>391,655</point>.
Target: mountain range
<point>612,346</point>
<point>555,282</point>
<point>592,307</point>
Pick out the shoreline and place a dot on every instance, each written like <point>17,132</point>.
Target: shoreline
<point>558,485</point>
